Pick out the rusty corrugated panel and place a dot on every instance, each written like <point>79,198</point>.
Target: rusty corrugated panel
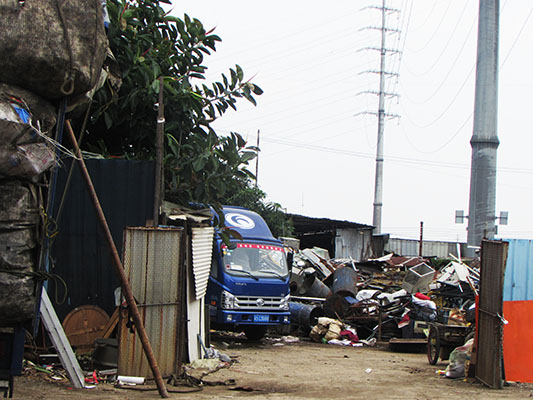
<point>152,258</point>
<point>406,262</point>
<point>489,324</point>
<point>202,250</point>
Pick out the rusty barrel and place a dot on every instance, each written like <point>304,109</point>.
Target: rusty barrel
<point>317,289</point>
<point>345,281</point>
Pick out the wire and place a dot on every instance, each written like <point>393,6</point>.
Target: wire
<point>459,91</point>
<point>516,39</point>
<point>443,81</point>
<point>441,146</point>
<point>443,51</point>
<point>439,25</point>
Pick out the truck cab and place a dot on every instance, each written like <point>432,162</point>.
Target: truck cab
<point>248,287</point>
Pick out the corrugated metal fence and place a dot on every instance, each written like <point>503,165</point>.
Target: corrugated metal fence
<point>518,309</point>
<point>411,247</point>
<point>153,264</point>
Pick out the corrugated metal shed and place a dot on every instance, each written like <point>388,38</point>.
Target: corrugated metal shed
<point>202,250</point>
<point>518,283</point>
<point>342,239</point>
<point>353,243</point>
<point>152,262</point>
<point>125,189</point>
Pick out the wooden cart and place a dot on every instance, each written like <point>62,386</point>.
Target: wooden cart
<point>442,339</point>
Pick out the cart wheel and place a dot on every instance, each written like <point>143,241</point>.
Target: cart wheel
<point>433,345</point>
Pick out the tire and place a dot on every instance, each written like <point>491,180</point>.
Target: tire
<point>433,345</point>
<point>255,333</point>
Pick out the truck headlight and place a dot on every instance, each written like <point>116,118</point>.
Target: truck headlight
<point>284,304</point>
<point>227,301</point>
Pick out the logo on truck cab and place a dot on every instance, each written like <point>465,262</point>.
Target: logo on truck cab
<point>239,221</point>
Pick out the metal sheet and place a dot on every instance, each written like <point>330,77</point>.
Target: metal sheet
<point>202,250</point>
<point>430,248</point>
<point>518,283</point>
<point>152,259</point>
<point>353,243</point>
<point>125,189</point>
<point>489,324</point>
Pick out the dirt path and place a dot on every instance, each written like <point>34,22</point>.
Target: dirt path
<point>305,370</point>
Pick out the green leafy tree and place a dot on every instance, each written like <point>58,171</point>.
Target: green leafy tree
<point>149,43</point>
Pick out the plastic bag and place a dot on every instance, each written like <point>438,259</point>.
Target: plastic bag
<point>26,161</point>
<point>55,48</point>
<point>19,216</point>
<point>459,360</point>
<point>326,329</point>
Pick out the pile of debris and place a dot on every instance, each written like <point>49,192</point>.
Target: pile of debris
<point>384,298</point>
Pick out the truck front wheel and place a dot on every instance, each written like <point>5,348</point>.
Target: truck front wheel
<point>255,333</point>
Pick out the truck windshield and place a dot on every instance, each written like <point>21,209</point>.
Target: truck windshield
<point>258,260</point>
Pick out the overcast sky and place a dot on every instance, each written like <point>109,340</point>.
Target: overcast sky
<point>317,138</point>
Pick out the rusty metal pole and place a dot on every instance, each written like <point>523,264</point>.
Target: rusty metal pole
<point>126,289</point>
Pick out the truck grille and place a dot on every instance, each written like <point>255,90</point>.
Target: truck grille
<point>258,302</point>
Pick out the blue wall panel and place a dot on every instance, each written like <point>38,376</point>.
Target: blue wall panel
<point>518,283</point>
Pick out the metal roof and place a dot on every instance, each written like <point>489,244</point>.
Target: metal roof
<point>310,224</point>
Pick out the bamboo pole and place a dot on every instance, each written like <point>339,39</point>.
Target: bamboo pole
<point>119,269</point>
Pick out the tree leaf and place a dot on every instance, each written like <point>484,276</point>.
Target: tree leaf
<point>240,73</point>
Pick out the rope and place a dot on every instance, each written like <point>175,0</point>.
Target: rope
<point>71,169</point>
<point>68,84</point>
<point>40,276</point>
<point>50,225</point>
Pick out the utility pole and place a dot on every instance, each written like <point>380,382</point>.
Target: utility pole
<point>381,114</point>
<point>159,175</point>
<point>421,243</point>
<point>484,142</point>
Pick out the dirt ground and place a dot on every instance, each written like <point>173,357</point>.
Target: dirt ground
<point>303,370</point>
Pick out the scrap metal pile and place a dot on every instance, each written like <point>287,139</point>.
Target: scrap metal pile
<point>378,299</point>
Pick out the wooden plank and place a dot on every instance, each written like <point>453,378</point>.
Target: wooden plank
<point>60,342</point>
<point>111,324</point>
<point>408,341</point>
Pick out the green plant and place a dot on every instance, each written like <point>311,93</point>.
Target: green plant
<point>247,195</point>
<point>149,43</point>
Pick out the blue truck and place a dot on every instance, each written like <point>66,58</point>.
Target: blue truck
<point>248,287</point>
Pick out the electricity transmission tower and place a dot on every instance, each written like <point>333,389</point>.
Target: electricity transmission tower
<point>382,94</point>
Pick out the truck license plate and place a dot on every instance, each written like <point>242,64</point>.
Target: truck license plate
<point>261,318</point>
